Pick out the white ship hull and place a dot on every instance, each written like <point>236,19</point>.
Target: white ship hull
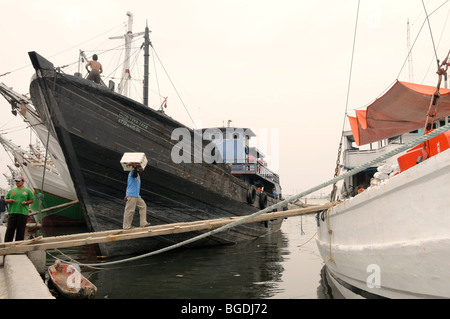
<point>393,240</point>
<point>53,183</point>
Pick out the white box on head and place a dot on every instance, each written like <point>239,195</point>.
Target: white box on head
<point>130,157</point>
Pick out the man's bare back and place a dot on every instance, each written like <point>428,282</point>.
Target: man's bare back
<point>94,66</point>
<point>96,69</point>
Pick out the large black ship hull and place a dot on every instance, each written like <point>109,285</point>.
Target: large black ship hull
<point>95,126</point>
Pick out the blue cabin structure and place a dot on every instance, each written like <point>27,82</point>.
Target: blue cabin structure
<point>245,162</point>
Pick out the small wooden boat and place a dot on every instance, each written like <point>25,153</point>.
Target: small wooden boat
<point>69,282</point>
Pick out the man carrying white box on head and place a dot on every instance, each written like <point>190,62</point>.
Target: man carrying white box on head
<point>133,198</point>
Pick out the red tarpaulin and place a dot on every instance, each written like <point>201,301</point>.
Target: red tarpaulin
<point>403,108</point>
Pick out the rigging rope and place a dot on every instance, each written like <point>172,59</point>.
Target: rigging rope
<point>352,172</point>
<point>420,30</point>
<point>336,171</point>
<point>156,75</point>
<point>431,34</point>
<point>173,85</point>
<point>28,65</point>
<point>438,44</point>
<point>41,194</point>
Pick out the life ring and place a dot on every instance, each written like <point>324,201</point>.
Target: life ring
<point>251,194</point>
<point>262,200</point>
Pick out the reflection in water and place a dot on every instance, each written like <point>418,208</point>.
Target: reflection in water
<point>285,264</point>
<point>327,290</point>
<point>221,272</point>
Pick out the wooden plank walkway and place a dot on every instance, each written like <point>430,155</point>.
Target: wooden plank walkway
<point>43,243</point>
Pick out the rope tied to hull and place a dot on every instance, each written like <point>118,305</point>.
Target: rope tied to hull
<point>330,232</point>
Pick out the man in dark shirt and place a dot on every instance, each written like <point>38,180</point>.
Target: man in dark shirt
<point>2,209</point>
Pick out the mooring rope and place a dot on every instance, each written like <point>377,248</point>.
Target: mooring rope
<point>352,172</point>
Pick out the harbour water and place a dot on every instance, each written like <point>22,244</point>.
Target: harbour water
<point>283,265</point>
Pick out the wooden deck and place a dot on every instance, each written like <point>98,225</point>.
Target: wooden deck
<point>43,243</point>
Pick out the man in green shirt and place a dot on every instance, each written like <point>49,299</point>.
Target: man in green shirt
<point>19,200</point>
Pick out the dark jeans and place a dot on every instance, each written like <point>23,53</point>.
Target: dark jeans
<point>16,223</point>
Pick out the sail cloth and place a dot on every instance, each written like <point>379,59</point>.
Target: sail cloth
<point>403,108</point>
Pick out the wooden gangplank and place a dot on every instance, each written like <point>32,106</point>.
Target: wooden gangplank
<point>64,241</point>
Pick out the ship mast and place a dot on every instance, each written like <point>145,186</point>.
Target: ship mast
<point>410,59</point>
<point>147,44</point>
<point>124,82</point>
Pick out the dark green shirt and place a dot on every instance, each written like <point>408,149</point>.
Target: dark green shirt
<point>19,195</point>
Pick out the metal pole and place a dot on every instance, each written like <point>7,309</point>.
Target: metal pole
<point>146,58</point>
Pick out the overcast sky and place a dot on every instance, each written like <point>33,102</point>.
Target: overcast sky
<point>280,67</point>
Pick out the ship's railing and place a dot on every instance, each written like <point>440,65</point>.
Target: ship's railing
<point>255,168</point>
